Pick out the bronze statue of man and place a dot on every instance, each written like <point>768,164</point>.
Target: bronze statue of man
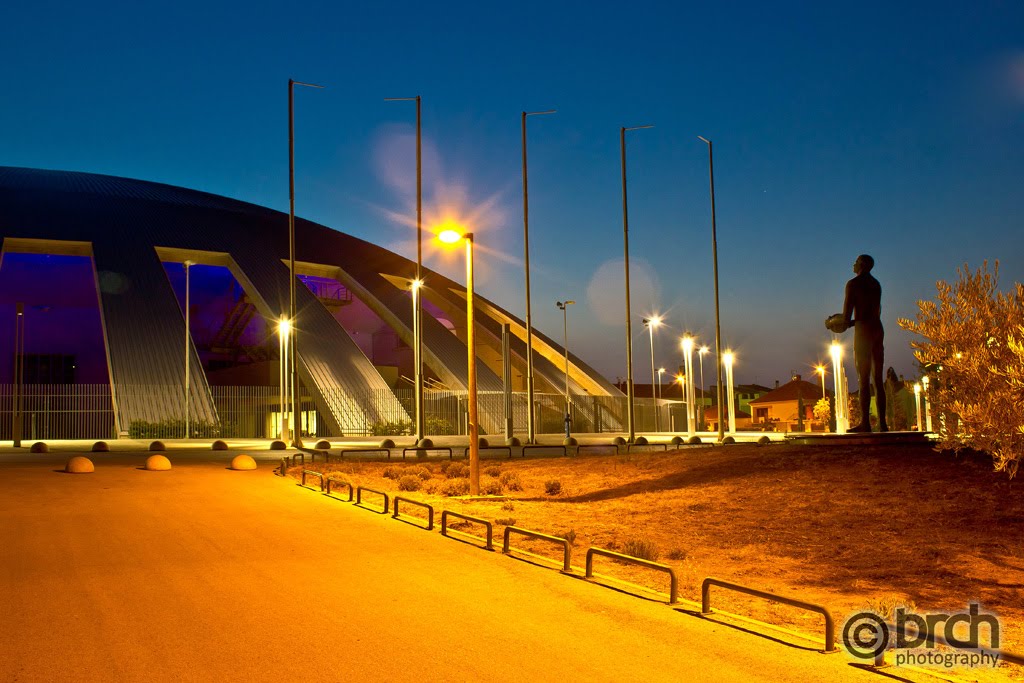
<point>862,310</point>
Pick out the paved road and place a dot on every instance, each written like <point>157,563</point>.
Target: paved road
<point>205,574</point>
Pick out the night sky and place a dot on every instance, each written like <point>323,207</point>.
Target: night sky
<point>894,129</point>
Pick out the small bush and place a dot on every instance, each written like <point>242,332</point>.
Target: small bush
<point>506,521</point>
<point>439,426</point>
<point>570,536</point>
<point>508,506</point>
<point>493,471</point>
<point>455,487</point>
<point>423,473</point>
<point>553,487</point>
<point>430,487</point>
<point>410,483</point>
<point>677,554</point>
<point>492,488</point>
<point>391,428</point>
<point>510,480</point>
<point>391,472</point>
<point>445,465</point>
<point>642,548</point>
<point>457,470</point>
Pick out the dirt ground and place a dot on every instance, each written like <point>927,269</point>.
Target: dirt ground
<point>847,527</point>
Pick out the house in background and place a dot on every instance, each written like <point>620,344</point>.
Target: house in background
<point>781,407</point>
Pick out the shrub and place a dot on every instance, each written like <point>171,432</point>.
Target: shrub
<point>492,488</point>
<point>553,487</point>
<point>430,487</point>
<point>493,471</point>
<point>455,487</point>
<point>456,470</point>
<point>421,472</point>
<point>642,548</point>
<point>973,343</point>
<point>510,480</point>
<point>390,428</point>
<point>508,506</point>
<point>410,483</point>
<point>677,554</point>
<point>445,465</point>
<point>823,410</point>
<point>391,472</point>
<point>438,426</point>
<point>506,521</point>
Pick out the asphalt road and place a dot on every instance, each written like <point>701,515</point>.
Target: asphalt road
<point>205,574</point>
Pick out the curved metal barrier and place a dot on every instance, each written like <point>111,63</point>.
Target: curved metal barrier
<point>298,455</point>
<point>566,551</point>
<point>445,514</point>
<point>340,483</point>
<point>664,446</point>
<point>351,451</point>
<point>673,580</point>
<point>508,449</point>
<point>313,473</point>
<point>410,501</point>
<point>536,447</point>
<point>597,446</point>
<point>359,497</point>
<point>440,449</point>
<point>830,628</point>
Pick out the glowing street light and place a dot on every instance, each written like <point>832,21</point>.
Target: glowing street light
<point>820,369</point>
<point>188,327</point>
<point>927,404</point>
<point>292,315</point>
<point>651,323</point>
<point>564,307</point>
<point>917,404</point>
<point>630,414</point>
<point>453,236</point>
<point>531,429</point>
<point>284,328</point>
<point>839,375</point>
<point>661,371</point>
<point>691,404</point>
<point>728,358</point>
<point>703,350</point>
<point>417,326</point>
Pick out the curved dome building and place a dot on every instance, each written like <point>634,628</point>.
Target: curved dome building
<point>128,240</point>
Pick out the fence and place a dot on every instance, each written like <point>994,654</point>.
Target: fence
<point>85,411</point>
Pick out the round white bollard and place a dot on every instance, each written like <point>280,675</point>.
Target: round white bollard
<point>79,464</point>
<point>243,462</point>
<point>158,463</point>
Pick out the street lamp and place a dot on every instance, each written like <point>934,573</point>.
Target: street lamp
<point>728,359</point>
<point>452,236</point>
<point>188,313</point>
<point>842,421</point>
<point>531,429</point>
<point>284,327</point>
<point>417,283</point>
<point>927,404</point>
<point>630,415</point>
<point>564,307</point>
<point>661,371</point>
<point>651,323</point>
<point>714,255</point>
<point>691,400</point>
<point>703,350</point>
<point>820,369</point>
<point>293,348</point>
<point>19,373</point>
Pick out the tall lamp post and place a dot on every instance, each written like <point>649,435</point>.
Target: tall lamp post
<point>531,428</point>
<point>284,326</point>
<point>651,323</point>
<point>691,399</point>
<point>927,404</point>
<point>293,348</point>
<point>630,413</point>
<point>728,359</point>
<point>714,255</point>
<point>820,369</point>
<point>188,327</point>
<point>19,373</point>
<point>417,283</point>
<point>700,354</point>
<point>451,236</point>
<point>839,376</point>
<point>564,307</point>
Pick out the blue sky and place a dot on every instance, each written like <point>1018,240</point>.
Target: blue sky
<point>891,130</point>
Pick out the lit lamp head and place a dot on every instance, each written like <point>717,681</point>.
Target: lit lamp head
<point>680,377</point>
<point>820,369</point>
<point>284,326</point>
<point>415,284</point>
<point>836,350</point>
<point>661,371</point>
<point>687,344</point>
<point>654,321</point>
<point>562,304</point>
<point>450,236</point>
<point>917,389</point>
<point>728,358</point>
<point>703,350</point>
<point>924,382</point>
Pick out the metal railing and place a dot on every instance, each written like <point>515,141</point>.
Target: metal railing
<point>600,447</point>
<point>336,482</point>
<point>445,514</point>
<point>353,451</point>
<point>566,550</point>
<point>432,449</point>
<point>313,473</point>
<point>359,497</point>
<point>673,580</point>
<point>830,627</point>
<point>507,449</point>
<point>541,447</point>
<point>429,509</point>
